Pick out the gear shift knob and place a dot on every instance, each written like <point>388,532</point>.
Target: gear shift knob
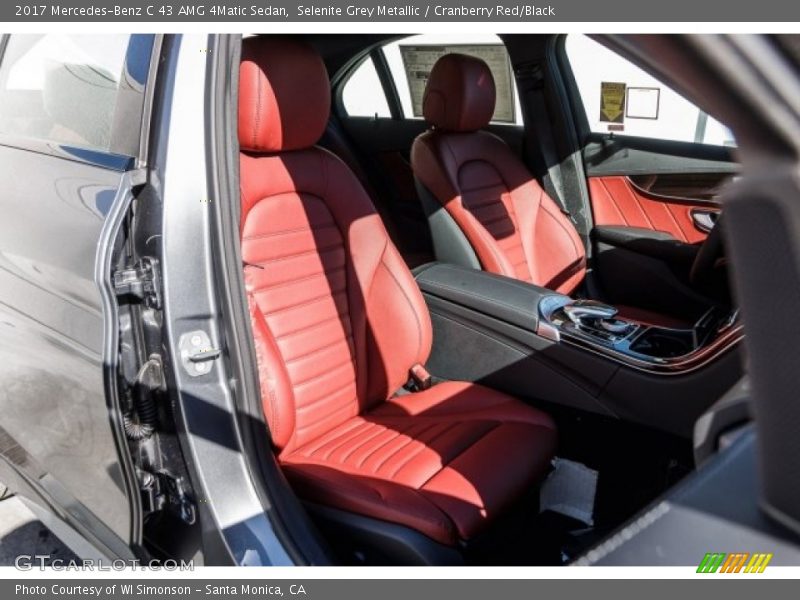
<point>589,309</point>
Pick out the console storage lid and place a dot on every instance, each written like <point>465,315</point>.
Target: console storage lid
<point>509,300</point>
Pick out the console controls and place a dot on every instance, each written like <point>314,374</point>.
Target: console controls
<point>585,310</point>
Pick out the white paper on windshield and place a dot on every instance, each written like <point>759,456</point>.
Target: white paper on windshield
<point>418,60</point>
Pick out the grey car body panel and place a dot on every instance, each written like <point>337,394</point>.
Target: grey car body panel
<point>55,421</point>
<point>62,209</point>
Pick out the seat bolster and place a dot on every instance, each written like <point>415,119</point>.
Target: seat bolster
<point>371,497</point>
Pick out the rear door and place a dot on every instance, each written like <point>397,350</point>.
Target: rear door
<point>71,111</point>
<point>378,102</point>
<point>655,164</point>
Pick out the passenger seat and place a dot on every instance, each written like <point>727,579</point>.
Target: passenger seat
<point>340,327</point>
<point>487,210</point>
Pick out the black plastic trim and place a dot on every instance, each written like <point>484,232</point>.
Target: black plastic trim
<point>503,298</point>
<point>657,244</point>
<point>387,82</point>
<point>399,544</point>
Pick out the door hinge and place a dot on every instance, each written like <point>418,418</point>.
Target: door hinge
<point>140,281</point>
<point>163,491</point>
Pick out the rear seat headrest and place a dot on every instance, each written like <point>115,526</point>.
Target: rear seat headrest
<point>284,95</point>
<point>460,94</point>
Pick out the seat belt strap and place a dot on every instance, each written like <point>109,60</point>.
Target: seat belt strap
<point>539,133</point>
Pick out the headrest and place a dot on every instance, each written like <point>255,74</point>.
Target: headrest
<point>460,94</point>
<point>284,95</point>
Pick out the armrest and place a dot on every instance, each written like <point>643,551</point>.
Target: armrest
<point>503,298</point>
<point>657,244</point>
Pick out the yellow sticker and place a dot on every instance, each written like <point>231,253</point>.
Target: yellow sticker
<point>612,102</point>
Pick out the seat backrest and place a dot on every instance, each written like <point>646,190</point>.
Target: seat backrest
<point>513,227</point>
<point>337,318</point>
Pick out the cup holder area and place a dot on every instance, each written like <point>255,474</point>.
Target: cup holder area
<point>661,343</point>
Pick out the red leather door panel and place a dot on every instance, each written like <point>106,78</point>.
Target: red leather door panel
<point>617,201</point>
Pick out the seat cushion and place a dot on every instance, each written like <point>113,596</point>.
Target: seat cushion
<point>443,461</point>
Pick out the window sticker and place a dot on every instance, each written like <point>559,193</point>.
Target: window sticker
<point>418,60</point>
<point>612,102</point>
<point>642,103</point>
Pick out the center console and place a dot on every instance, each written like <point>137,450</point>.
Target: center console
<point>533,342</point>
<point>599,327</point>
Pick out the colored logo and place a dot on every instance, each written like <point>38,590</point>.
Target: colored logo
<point>739,562</point>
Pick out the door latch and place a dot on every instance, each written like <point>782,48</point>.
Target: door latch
<point>197,353</point>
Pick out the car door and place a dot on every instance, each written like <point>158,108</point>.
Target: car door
<point>71,111</point>
<point>378,102</point>
<point>654,165</point>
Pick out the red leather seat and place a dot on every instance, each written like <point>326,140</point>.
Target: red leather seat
<point>339,322</point>
<point>513,226</point>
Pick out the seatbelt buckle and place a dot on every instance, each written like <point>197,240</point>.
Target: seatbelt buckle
<point>421,378</point>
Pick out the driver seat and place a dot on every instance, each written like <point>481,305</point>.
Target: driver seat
<point>496,216</point>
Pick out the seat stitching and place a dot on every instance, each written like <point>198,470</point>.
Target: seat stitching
<point>317,350</point>
<point>350,362</point>
<point>269,234</point>
<point>380,430</point>
<point>338,315</point>
<point>371,452</point>
<point>317,251</point>
<point>349,436</point>
<point>497,219</point>
<point>325,396</point>
<point>408,301</point>
<point>320,298</point>
<point>425,445</point>
<point>274,286</point>
<point>352,433</point>
<point>490,244</point>
<point>495,425</point>
<point>316,422</point>
<point>410,441</point>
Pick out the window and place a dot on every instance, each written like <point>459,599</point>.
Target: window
<point>363,95</point>
<point>620,97</point>
<point>62,88</point>
<point>410,61</point>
